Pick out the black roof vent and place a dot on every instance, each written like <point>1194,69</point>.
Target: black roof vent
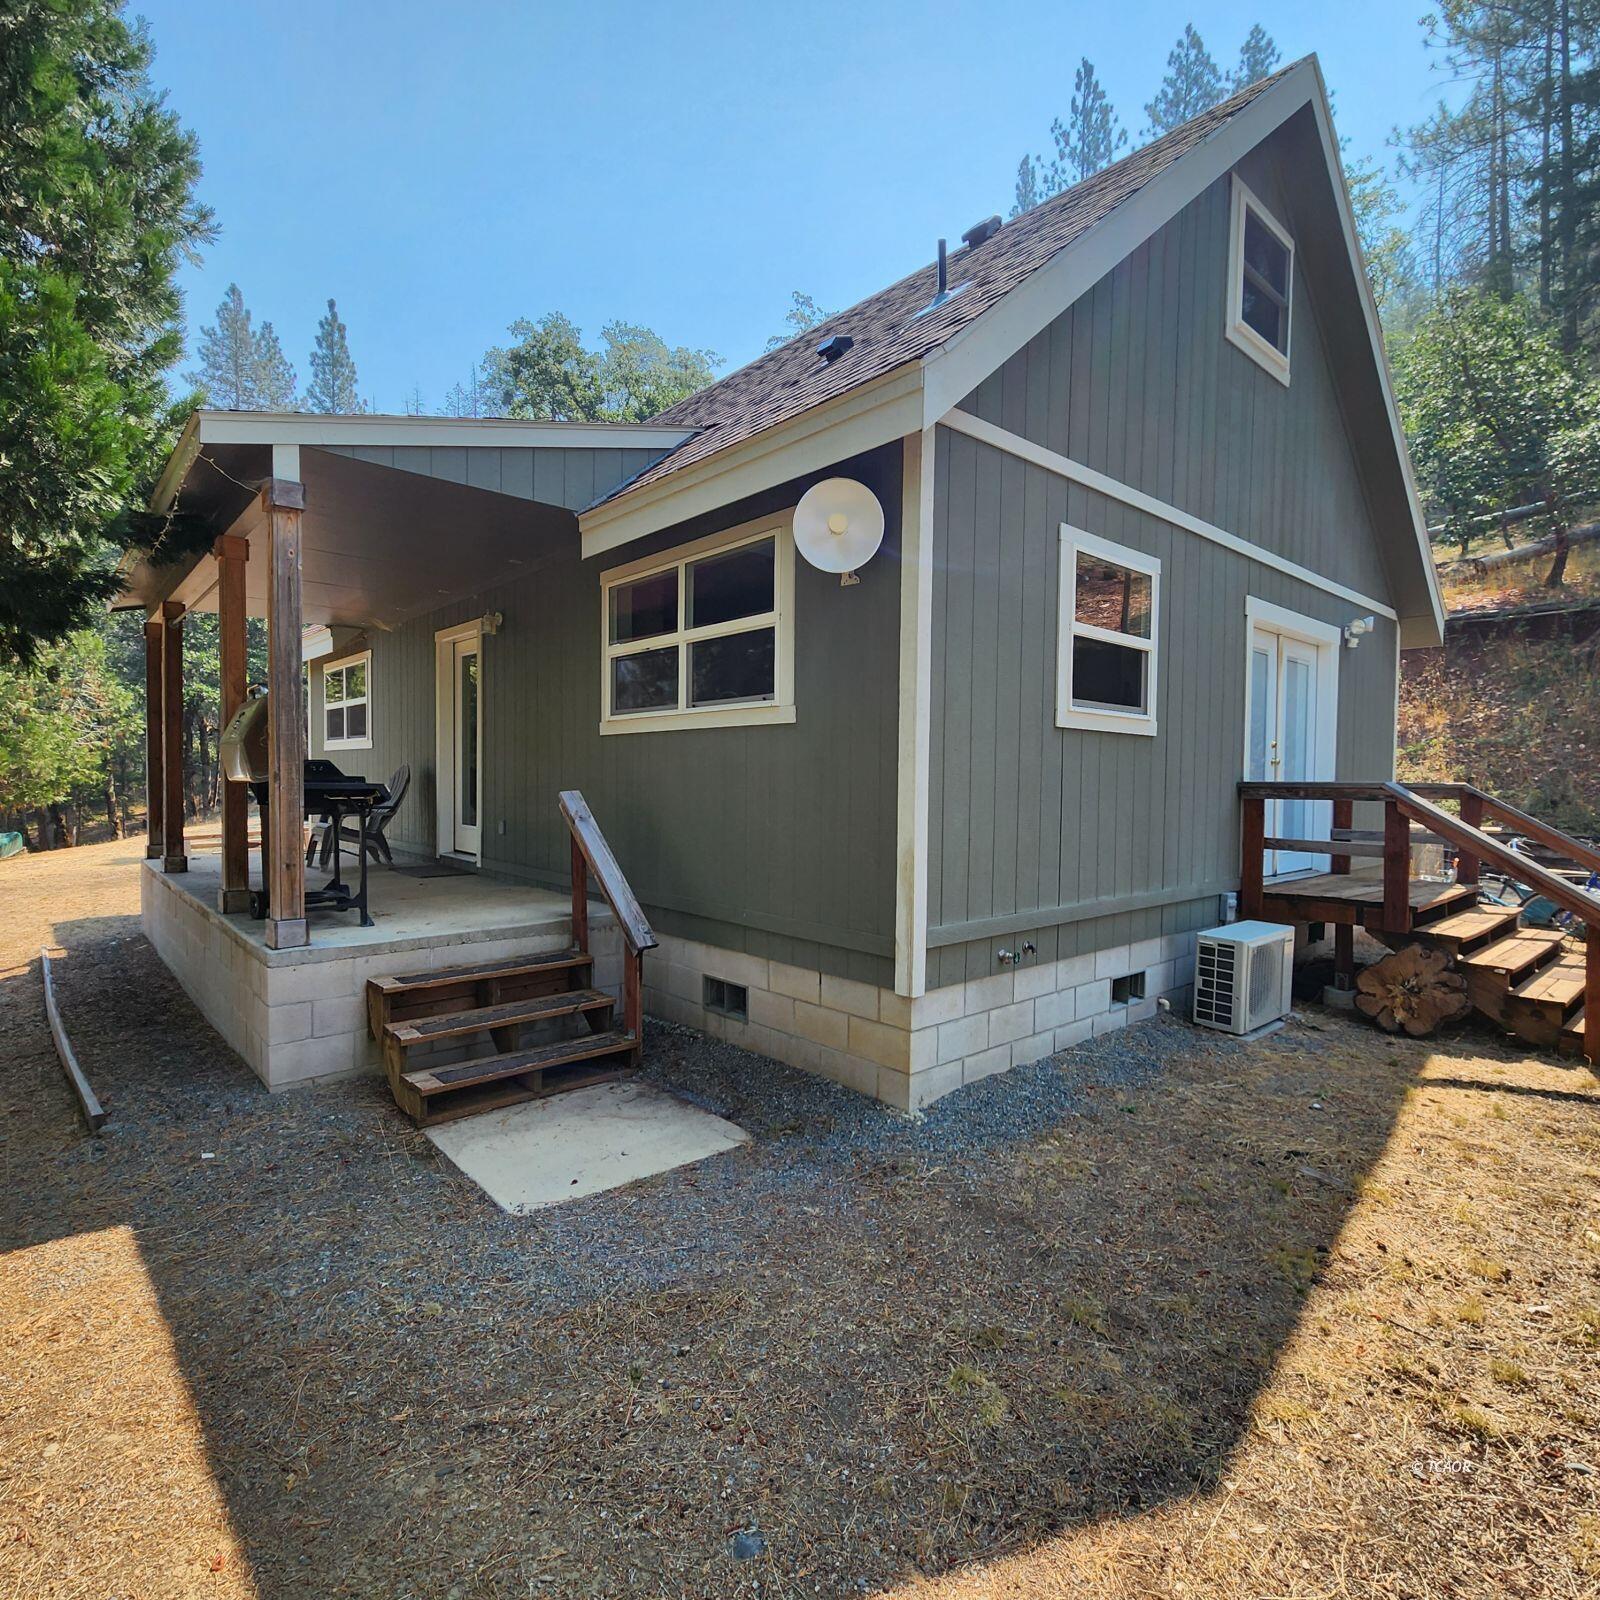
<point>831,349</point>
<point>981,232</point>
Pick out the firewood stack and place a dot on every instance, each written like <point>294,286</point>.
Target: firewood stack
<point>1413,991</point>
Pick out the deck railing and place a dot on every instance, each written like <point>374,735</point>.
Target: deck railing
<point>591,854</point>
<point>1407,808</point>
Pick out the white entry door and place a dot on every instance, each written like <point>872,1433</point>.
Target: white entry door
<point>459,708</point>
<point>1291,726</point>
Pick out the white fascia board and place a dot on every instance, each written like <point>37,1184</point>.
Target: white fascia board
<point>958,366</point>
<point>178,464</point>
<point>1419,627</point>
<point>862,418</point>
<point>300,428</point>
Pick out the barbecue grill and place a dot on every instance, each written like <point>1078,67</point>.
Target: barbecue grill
<point>330,794</point>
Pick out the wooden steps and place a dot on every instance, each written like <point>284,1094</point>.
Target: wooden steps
<point>438,1094</point>
<point>546,1029</point>
<point>1469,930</point>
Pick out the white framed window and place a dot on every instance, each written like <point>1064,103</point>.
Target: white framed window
<point>701,636</point>
<point>1260,283</point>
<point>347,704</point>
<point>1108,637</point>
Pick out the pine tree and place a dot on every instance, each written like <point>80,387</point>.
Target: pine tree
<point>1258,55</point>
<point>226,376</point>
<point>1090,137</point>
<point>1193,84</point>
<point>1028,195</point>
<point>332,390</point>
<point>275,381</point>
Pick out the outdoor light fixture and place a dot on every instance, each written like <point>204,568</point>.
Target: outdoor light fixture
<point>491,620</point>
<point>1354,630</point>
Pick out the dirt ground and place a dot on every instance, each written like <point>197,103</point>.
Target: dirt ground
<point>1316,1316</point>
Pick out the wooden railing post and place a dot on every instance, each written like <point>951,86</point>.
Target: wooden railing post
<point>1252,863</point>
<point>1591,993</point>
<point>633,998</point>
<point>154,782</point>
<point>580,898</point>
<point>173,856</point>
<point>1396,869</point>
<point>231,552</point>
<point>1472,815</point>
<point>1344,812</point>
<point>283,857</point>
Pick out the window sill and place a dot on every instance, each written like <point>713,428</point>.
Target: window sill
<point>1243,337</point>
<point>681,721</point>
<point>1105,722</point>
<point>346,744</point>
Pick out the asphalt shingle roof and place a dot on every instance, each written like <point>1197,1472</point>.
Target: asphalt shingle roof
<point>782,384</point>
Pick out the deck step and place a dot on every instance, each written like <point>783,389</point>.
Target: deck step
<point>1517,956</point>
<point>511,1014</point>
<point>439,1094</point>
<point>425,994</point>
<point>1467,930</point>
<point>1571,1037</point>
<point>1554,992</point>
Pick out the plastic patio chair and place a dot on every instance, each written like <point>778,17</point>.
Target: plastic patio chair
<point>382,814</point>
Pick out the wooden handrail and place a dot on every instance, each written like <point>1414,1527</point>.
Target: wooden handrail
<point>1405,804</point>
<point>591,853</point>
<point>1486,847</point>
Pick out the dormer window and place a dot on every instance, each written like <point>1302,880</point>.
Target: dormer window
<point>1260,283</point>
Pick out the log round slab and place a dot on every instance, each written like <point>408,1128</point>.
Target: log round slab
<point>1412,991</point>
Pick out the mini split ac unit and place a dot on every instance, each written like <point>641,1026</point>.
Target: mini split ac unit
<point>1242,974</point>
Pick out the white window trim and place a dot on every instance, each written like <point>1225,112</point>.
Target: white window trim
<point>365,743</point>
<point>1239,332</point>
<point>444,743</point>
<point>780,709</point>
<point>1068,627</point>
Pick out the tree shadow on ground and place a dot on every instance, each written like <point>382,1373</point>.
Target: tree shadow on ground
<point>877,1345</point>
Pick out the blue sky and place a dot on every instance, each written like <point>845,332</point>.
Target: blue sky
<point>442,170</point>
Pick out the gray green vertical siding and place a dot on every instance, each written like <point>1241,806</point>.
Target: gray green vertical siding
<point>1080,840</point>
<point>557,477</point>
<point>777,840</point>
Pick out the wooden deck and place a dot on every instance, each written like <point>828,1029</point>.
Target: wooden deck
<point>1355,897</point>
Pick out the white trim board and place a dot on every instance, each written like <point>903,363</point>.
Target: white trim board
<point>916,715</point>
<point>444,742</point>
<point>1241,200</point>
<point>1065,467</point>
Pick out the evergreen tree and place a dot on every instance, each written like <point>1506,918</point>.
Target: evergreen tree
<point>274,376</point>
<point>97,208</point>
<point>1258,56</point>
<point>1028,195</point>
<point>1193,84</point>
<point>1090,137</point>
<point>226,376</point>
<point>332,390</point>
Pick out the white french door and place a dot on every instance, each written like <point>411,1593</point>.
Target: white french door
<point>1290,726</point>
<point>459,715</point>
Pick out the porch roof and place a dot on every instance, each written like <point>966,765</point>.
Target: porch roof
<point>402,514</point>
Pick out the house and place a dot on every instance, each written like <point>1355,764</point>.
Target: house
<point>1144,486</point>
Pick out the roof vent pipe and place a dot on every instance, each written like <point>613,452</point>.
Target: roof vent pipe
<point>942,292</point>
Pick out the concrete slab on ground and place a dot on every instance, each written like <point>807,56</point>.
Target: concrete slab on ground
<point>582,1142</point>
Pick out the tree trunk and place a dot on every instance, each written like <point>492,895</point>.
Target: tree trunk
<point>1568,208</point>
<point>113,815</point>
<point>60,837</point>
<point>47,838</point>
<point>1561,549</point>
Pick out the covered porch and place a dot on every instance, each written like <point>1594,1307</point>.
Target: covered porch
<point>340,528</point>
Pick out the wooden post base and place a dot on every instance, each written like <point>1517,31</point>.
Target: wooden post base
<point>1344,956</point>
<point>152,852</point>
<point>289,933</point>
<point>174,863</point>
<point>230,901</point>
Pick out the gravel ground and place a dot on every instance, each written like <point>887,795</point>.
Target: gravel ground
<point>861,1348</point>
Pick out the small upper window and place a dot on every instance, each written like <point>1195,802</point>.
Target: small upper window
<point>700,635</point>
<point>1260,283</point>
<point>346,704</point>
<point>1106,654</point>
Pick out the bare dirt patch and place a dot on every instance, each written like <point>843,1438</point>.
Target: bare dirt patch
<point>1172,1316</point>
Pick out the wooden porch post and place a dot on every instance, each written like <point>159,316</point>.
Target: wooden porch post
<point>173,858</point>
<point>154,789</point>
<point>1252,831</point>
<point>1396,869</point>
<point>231,553</point>
<point>282,838</point>
<point>1467,866</point>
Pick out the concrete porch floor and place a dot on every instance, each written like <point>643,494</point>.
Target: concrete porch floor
<point>407,911</point>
